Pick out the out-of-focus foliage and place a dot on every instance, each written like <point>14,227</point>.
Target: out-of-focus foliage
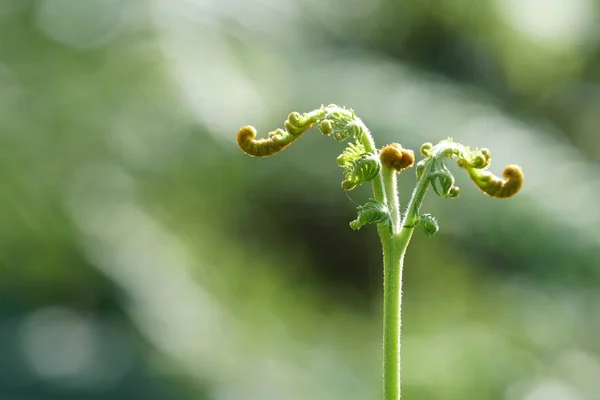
<point>143,256</point>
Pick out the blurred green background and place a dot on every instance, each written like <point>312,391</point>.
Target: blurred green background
<point>143,256</point>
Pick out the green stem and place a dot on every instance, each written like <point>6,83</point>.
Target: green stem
<point>394,250</point>
<point>394,246</point>
<point>392,321</point>
<point>384,191</point>
<point>391,193</point>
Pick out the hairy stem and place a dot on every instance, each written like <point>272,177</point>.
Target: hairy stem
<point>391,193</point>
<point>393,256</point>
<point>394,250</point>
<point>392,291</point>
<point>384,191</point>
<point>392,321</point>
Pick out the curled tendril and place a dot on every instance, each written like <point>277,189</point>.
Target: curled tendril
<point>475,162</point>
<point>495,186</point>
<point>331,120</point>
<point>394,156</point>
<point>278,140</point>
<point>373,212</point>
<point>246,139</point>
<point>426,149</point>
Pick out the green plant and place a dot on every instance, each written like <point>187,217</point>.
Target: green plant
<point>362,162</point>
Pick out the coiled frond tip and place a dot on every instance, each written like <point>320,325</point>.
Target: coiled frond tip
<point>494,186</point>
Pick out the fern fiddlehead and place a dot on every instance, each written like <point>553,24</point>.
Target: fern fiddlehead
<point>362,162</point>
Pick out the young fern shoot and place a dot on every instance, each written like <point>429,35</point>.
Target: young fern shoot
<point>362,162</point>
